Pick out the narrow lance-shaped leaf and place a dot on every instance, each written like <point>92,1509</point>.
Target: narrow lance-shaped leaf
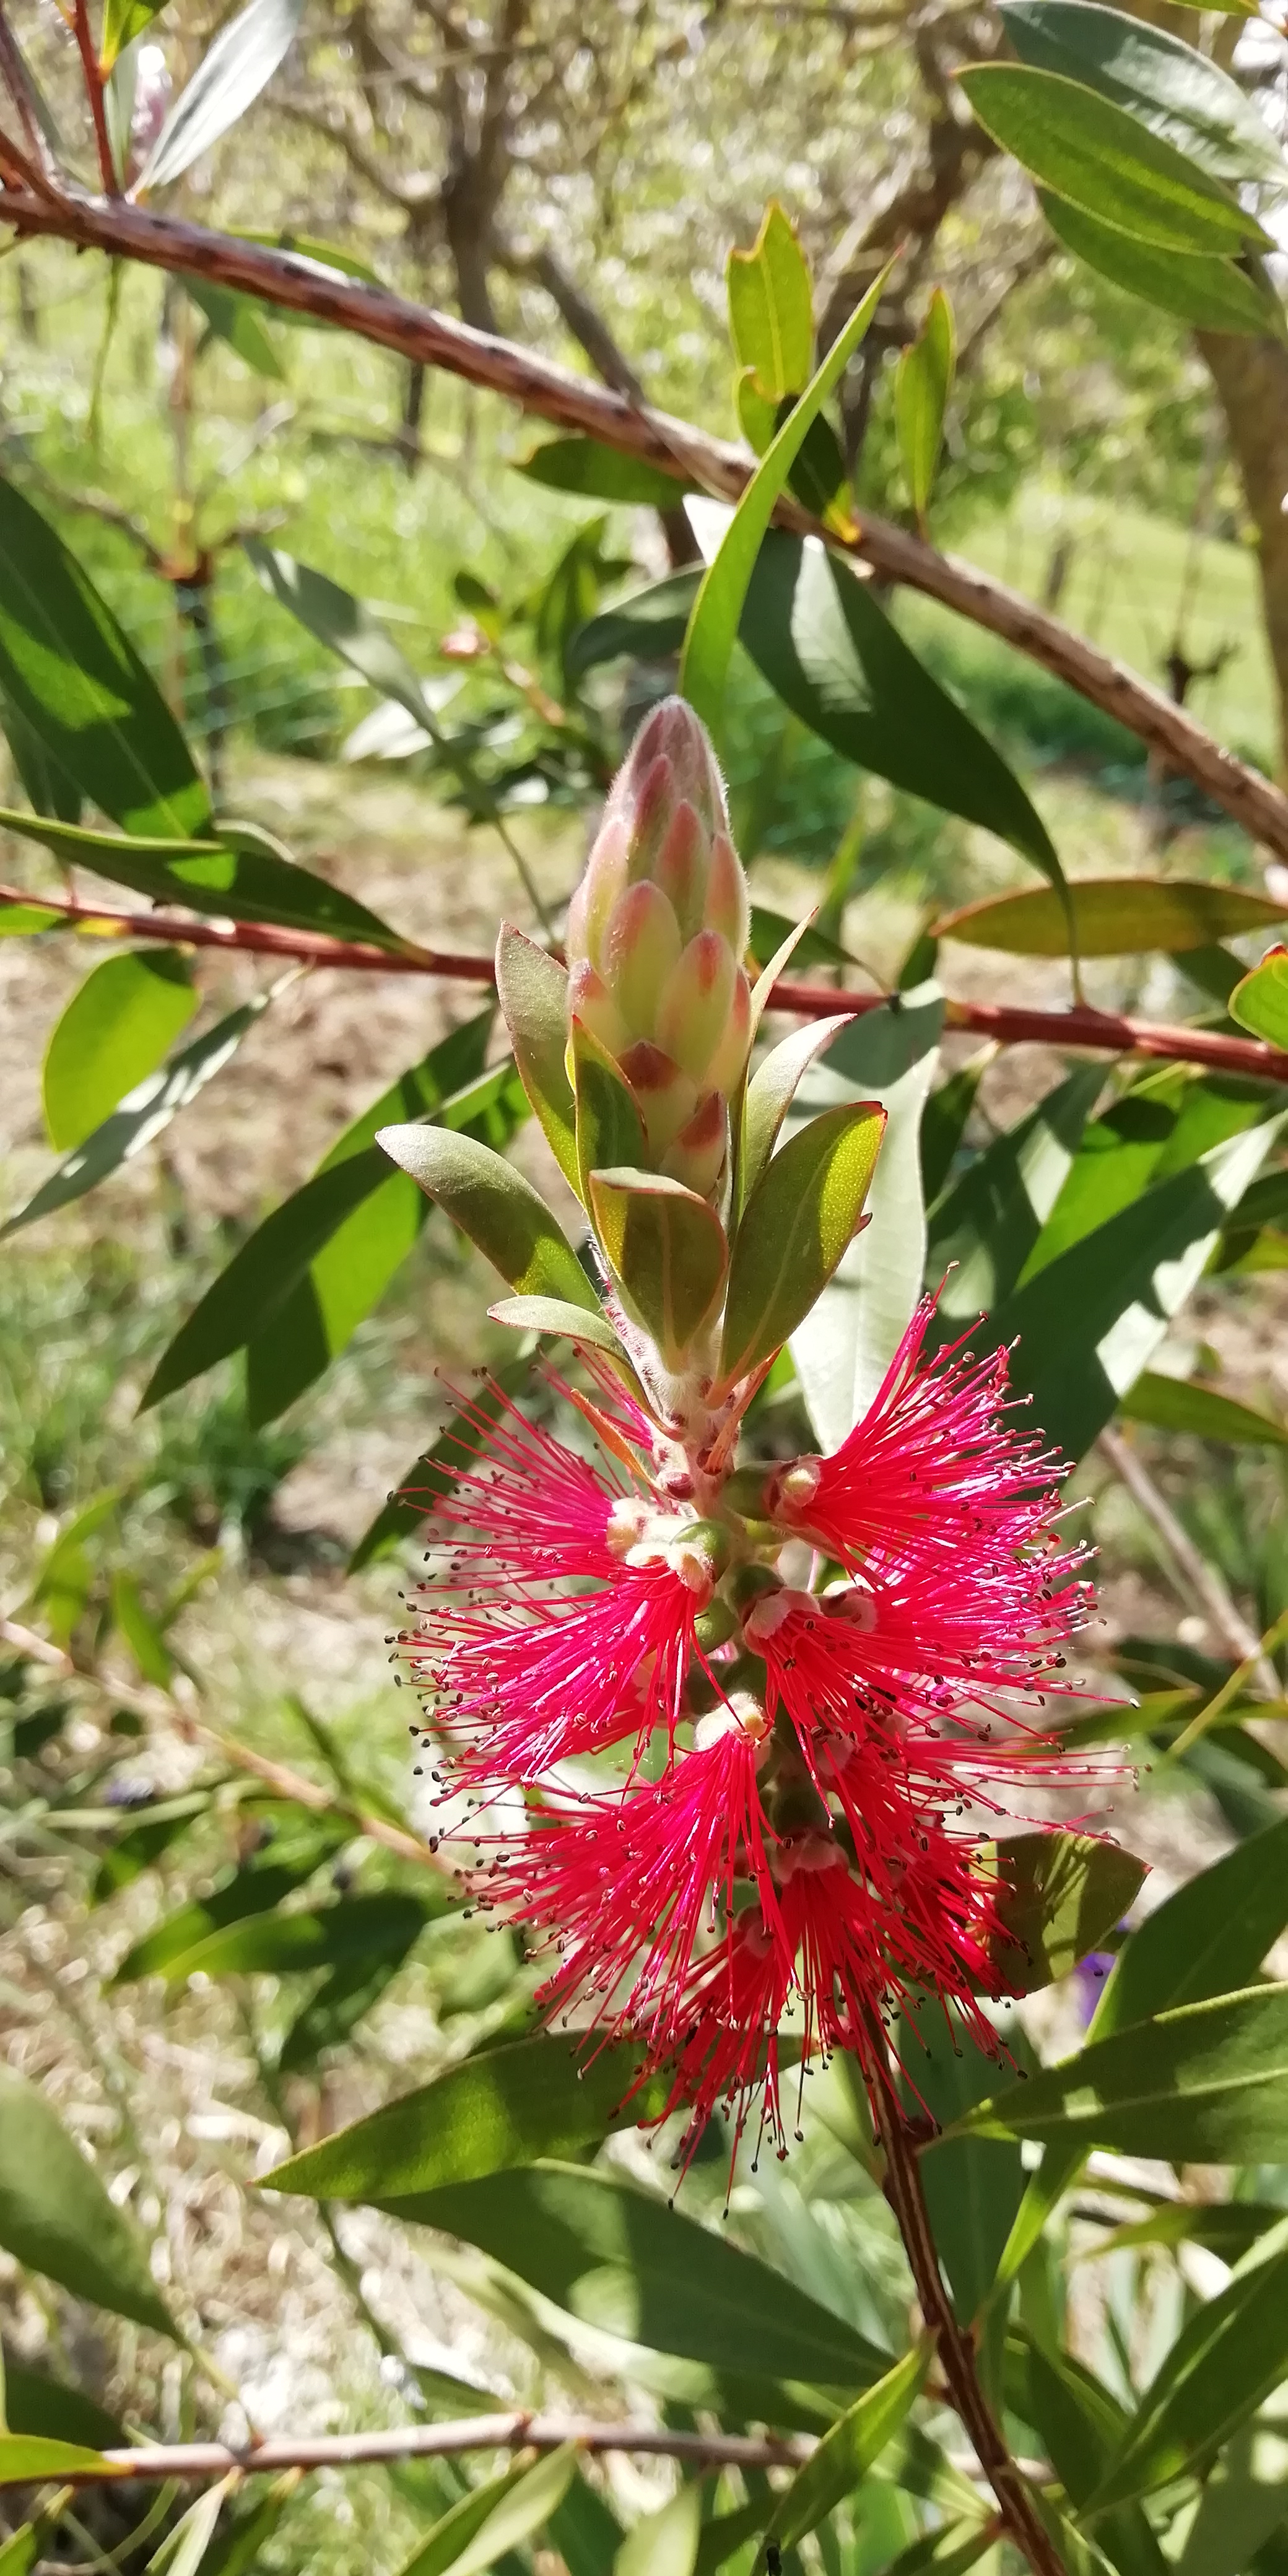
<point>717,609</point>
<point>115,1030</point>
<point>771,317</point>
<point>533,991</point>
<point>550,1315</point>
<point>1168,87</point>
<point>610,1131</point>
<point>1212,294</point>
<point>1113,916</point>
<point>498,1209</point>
<point>1224,2362</point>
<point>1085,148</point>
<point>56,2216</point>
<point>345,624</point>
<point>599,473</point>
<point>242,59</point>
<point>923,383</point>
<point>664,2543</point>
<point>770,1093</point>
<point>1260,1001</point>
<point>1202,1412</point>
<point>241,877</point>
<point>798,1222</point>
<point>27,2459</point>
<point>667,1249</point>
<point>845,2454</point>
<point>238,321</point>
<point>523,2507</point>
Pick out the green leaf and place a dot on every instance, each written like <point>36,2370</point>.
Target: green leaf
<point>1210,294</point>
<point>838,661</point>
<point>983,1232</point>
<point>335,2008</point>
<point>140,1632</point>
<point>584,2530</point>
<point>1084,147</point>
<point>183,2549</point>
<point>625,2261</point>
<point>1201,1412</point>
<point>599,473</point>
<point>664,2543</point>
<point>846,2453</point>
<point>1114,916</point>
<point>27,2461</point>
<point>23,920</point>
<point>255,1888</point>
<point>651,626</point>
<point>50,788</point>
<point>1209,1938</point>
<point>240,877</point>
<point>844,1347</point>
<point>667,1249</point>
<point>771,1091</point>
<point>1223,2363</point>
<point>115,1030</point>
<point>799,1220</point>
<point>533,991</point>
<point>1243,2503</point>
<point>1203,2083</point>
<point>975,2187</point>
<point>717,610</point>
<point>520,2504</point>
<point>1260,1001</point>
<point>237,320</point>
<point>34,2404</point>
<point>551,1315</point>
<point>1090,1322</point>
<point>242,59</point>
<point>1164,84</point>
<point>609,1129</point>
<point>1061,1893</point>
<point>143,1114</point>
<point>383,1924</point>
<point>771,312</point>
<point>454,1453</point>
<point>811,946</point>
<point>1081,2425</point>
<point>56,2217</point>
<point>78,683</point>
<point>1164,1124</point>
<point>496,1207</point>
<point>534,2097</point>
<point>923,382</point>
<point>123,20</point>
<point>344,624</point>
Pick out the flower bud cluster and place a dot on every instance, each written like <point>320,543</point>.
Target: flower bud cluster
<point>657,932</point>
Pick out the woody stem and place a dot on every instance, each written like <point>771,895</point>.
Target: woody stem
<point>953,2342</point>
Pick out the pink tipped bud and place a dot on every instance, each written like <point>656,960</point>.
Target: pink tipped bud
<point>592,905</point>
<point>641,948</point>
<point>680,867</point>
<point>664,1097</point>
<point>700,1150</point>
<point>694,1009</point>
<point>727,908</point>
<point>729,1062</point>
<point>590,1001</point>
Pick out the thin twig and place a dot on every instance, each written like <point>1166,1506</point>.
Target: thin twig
<point>94,94</point>
<point>1195,1579</point>
<point>572,402</point>
<point>1105,1032</point>
<point>516,2431</point>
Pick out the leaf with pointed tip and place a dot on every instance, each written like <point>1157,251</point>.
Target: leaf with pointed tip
<point>56,2216</point>
<point>1201,1412</point>
<point>533,991</point>
<point>1113,916</point>
<point>799,1220</point>
<point>123,20</point>
<point>771,315</point>
<point>238,321</point>
<point>229,78</point>
<point>241,877</point>
<point>664,2543</point>
<point>922,385</point>
<point>1209,1938</point>
<point>667,1247</point>
<point>845,2454</point>
<point>1172,90</point>
<point>610,1131</point>
<point>551,1315</point>
<point>601,473</point>
<point>28,2460</point>
<point>1212,294</point>
<point>770,1093</point>
<point>345,624</point>
<point>496,1207</point>
<point>1224,2362</point>
<point>519,2504</point>
<point>1260,1001</point>
<point>1085,147</point>
<point>116,1029</point>
<point>1058,1895</point>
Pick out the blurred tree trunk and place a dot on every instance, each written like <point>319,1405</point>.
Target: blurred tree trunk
<point>1251,378</point>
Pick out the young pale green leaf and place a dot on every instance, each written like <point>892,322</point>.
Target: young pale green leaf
<point>551,1315</point>
<point>843,1348</point>
<point>799,1220</point>
<point>123,20</point>
<point>1210,1937</point>
<point>344,624</point>
<point>1084,147</point>
<point>600,473</point>
<point>667,1249</point>
<point>1060,1894</point>
<point>143,1114</point>
<point>242,59</point>
<point>27,2461</point>
<point>609,1129</point>
<point>238,321</point>
<point>664,2543</point>
<point>1204,2083</point>
<point>241,877</point>
<point>23,920</point>
<point>1168,87</point>
<point>717,610</point>
<point>1224,2362</point>
<point>771,1091</point>
<point>78,684</point>
<point>529,2099</point>
<point>441,1468</point>
<point>1211,294</point>
<point>1090,1322</point>
<point>1202,1412</point>
<point>771,311</point>
<point>116,1029</point>
<point>624,2261</point>
<point>922,385</point>
<point>533,991</point>
<point>839,662</point>
<point>56,2216</point>
<point>183,2549</point>
<point>1260,1001</point>
<point>845,2454</point>
<point>1114,916</point>
<point>496,1207</point>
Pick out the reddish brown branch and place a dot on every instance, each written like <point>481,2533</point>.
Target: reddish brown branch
<point>1105,1032</point>
<point>511,2432</point>
<point>573,403</point>
<point>94,94</point>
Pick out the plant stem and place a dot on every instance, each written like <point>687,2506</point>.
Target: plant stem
<point>953,2342</point>
<point>94,94</point>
